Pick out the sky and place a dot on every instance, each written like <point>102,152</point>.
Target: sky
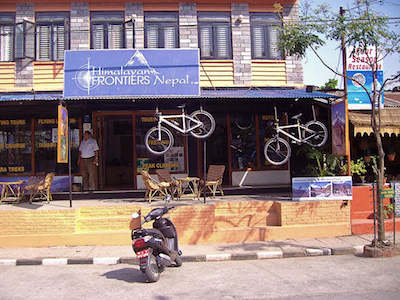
<point>316,74</point>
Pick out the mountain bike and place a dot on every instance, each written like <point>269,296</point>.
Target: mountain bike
<point>199,124</point>
<point>277,150</point>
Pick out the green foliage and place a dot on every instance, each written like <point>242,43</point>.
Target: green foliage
<point>330,85</point>
<point>389,209</point>
<point>358,167</point>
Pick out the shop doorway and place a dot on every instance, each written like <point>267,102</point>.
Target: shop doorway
<point>115,138</point>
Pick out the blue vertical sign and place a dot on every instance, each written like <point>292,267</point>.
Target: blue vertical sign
<point>131,72</point>
<point>359,68</point>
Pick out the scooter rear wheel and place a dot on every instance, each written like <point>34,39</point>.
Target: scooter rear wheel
<point>152,271</point>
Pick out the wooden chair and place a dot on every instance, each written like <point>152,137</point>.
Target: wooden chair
<point>165,176</point>
<point>215,175</point>
<point>153,187</point>
<point>40,189</point>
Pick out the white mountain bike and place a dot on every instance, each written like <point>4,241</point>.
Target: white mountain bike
<point>277,150</point>
<point>199,124</point>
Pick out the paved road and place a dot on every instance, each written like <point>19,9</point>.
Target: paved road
<point>334,277</point>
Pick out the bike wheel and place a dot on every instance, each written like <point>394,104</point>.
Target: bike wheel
<point>318,134</point>
<point>154,145</point>
<point>208,122</point>
<point>277,151</point>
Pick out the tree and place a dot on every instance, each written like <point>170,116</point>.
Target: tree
<point>330,85</point>
<point>360,27</point>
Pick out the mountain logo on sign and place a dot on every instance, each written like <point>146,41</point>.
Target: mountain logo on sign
<point>138,60</point>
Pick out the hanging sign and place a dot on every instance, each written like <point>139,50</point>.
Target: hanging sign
<point>359,67</point>
<point>131,72</point>
<point>339,128</point>
<point>62,135</point>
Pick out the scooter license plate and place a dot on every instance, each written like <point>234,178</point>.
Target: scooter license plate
<point>142,254</point>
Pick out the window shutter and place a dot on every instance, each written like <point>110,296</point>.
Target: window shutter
<point>151,36</point>
<point>58,42</point>
<point>206,41</point>
<point>43,42</point>
<point>98,36</point>
<point>6,43</point>
<point>273,40</point>
<point>223,41</point>
<point>115,36</point>
<point>170,40</point>
<point>258,46</point>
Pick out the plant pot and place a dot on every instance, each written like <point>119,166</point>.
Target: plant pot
<point>391,156</point>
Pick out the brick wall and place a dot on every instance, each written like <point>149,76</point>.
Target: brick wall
<point>223,222</point>
<point>24,67</point>
<point>241,44</point>
<point>134,11</point>
<point>188,37</point>
<point>294,66</point>
<point>80,26</point>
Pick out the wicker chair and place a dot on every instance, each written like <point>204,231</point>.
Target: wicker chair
<point>40,189</point>
<point>153,187</point>
<point>175,185</point>
<point>215,175</point>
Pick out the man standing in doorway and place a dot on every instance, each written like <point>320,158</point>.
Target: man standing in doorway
<point>88,160</point>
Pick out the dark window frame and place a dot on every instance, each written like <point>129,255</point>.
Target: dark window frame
<point>214,25</point>
<point>264,24</point>
<point>52,23</point>
<point>12,24</point>
<point>105,23</point>
<point>161,25</point>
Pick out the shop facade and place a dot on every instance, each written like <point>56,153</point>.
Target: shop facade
<point>242,77</point>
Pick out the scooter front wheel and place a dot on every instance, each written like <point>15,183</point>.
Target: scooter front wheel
<point>152,271</point>
<point>178,261</point>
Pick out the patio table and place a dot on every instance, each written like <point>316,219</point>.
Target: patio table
<point>11,191</point>
<point>189,184</point>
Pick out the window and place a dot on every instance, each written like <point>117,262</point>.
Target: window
<point>108,30</point>
<point>7,22</point>
<point>46,145</point>
<point>215,35</point>
<point>161,30</point>
<point>15,147</point>
<point>52,35</point>
<point>265,35</point>
<point>173,160</point>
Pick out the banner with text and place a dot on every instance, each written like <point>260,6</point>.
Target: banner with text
<point>359,68</point>
<point>131,72</point>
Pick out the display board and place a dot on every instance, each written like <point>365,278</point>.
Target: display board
<point>396,186</point>
<point>322,188</point>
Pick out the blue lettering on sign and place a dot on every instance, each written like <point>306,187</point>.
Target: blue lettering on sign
<point>131,72</point>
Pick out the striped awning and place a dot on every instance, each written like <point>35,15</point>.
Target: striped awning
<point>390,121</point>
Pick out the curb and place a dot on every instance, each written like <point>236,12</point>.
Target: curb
<point>273,254</point>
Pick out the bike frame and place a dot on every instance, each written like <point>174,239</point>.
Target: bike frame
<point>300,129</point>
<point>182,129</point>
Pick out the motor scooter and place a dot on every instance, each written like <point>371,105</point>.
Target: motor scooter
<point>155,248</point>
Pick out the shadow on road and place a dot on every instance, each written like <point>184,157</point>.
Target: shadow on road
<point>126,274</point>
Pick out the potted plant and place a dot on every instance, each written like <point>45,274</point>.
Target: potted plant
<point>391,155</point>
<point>358,168</point>
<point>388,211</point>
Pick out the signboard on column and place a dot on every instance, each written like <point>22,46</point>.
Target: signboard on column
<point>359,68</point>
<point>62,137</point>
<point>339,129</point>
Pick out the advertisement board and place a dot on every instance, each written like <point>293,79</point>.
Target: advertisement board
<point>339,128</point>
<point>62,136</point>
<point>131,72</point>
<point>359,68</point>
<point>322,188</point>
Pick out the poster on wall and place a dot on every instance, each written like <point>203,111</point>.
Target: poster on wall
<point>359,68</point>
<point>339,128</point>
<point>396,186</point>
<point>322,188</point>
<point>62,137</point>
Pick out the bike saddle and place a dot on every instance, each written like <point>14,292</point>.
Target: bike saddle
<point>297,117</point>
<point>182,106</point>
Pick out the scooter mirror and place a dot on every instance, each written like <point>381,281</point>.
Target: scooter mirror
<point>167,198</point>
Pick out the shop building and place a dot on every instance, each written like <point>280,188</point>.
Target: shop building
<point>243,76</point>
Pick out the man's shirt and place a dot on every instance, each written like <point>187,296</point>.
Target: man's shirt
<point>88,148</point>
